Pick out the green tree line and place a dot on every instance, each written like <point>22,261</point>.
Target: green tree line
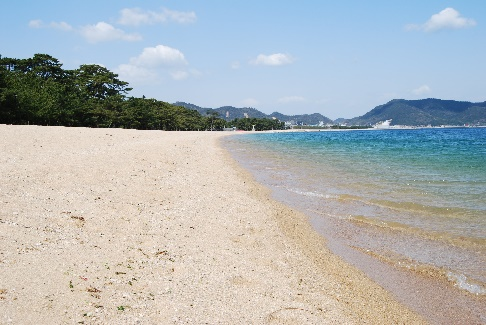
<point>39,91</point>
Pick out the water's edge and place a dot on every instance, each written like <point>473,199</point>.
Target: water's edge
<point>427,292</point>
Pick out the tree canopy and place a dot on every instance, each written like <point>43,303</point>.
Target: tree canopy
<point>39,91</point>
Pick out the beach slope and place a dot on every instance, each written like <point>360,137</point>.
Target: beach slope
<point>116,226</point>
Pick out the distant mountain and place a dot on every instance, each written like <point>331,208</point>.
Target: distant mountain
<point>424,112</point>
<point>340,120</point>
<point>428,111</point>
<point>229,113</point>
<point>306,119</point>
<point>201,110</point>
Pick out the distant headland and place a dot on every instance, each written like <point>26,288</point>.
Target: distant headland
<point>423,112</point>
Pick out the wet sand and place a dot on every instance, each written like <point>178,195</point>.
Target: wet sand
<point>110,226</point>
<point>425,289</point>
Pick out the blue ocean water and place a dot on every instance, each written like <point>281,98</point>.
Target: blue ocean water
<point>415,198</point>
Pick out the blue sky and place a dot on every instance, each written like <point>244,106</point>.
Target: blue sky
<point>337,58</point>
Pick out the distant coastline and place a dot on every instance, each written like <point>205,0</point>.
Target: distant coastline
<point>414,113</point>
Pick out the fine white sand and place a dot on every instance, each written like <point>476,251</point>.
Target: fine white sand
<point>110,226</point>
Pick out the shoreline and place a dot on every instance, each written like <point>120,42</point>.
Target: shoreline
<point>425,289</point>
<point>125,226</point>
<point>393,127</point>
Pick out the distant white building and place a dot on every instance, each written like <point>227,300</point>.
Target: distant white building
<point>383,125</point>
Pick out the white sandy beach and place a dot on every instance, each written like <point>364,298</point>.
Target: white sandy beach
<point>111,226</point>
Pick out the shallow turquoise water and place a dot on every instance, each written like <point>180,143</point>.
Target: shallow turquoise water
<point>414,197</point>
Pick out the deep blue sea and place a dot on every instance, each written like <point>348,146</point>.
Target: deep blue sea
<point>415,198</point>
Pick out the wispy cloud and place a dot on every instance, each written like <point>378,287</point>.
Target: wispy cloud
<point>449,18</point>
<point>276,59</point>
<point>422,90</point>
<point>37,23</point>
<point>103,32</point>
<point>97,33</point>
<point>137,16</point>
<point>55,25</point>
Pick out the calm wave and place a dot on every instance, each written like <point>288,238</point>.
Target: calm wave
<point>416,198</point>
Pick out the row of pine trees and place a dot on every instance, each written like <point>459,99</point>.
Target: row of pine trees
<point>39,91</point>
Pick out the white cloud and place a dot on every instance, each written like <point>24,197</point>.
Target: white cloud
<point>422,90</point>
<point>154,61</point>
<point>36,23</point>
<point>103,32</point>
<point>291,99</point>
<point>160,55</point>
<point>272,59</point>
<point>61,25</point>
<point>137,16</point>
<point>55,25</point>
<point>449,18</point>
<point>100,32</point>
<point>135,73</point>
<point>235,65</point>
<point>180,17</point>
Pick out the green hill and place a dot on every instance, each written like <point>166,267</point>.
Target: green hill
<point>420,112</point>
<point>306,119</point>
<point>229,113</point>
<point>424,112</point>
